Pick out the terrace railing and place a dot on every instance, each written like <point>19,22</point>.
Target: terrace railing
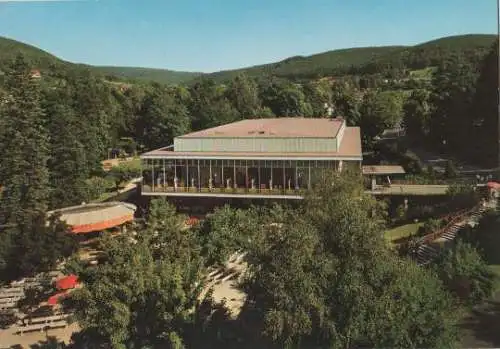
<point>451,219</point>
<point>224,190</point>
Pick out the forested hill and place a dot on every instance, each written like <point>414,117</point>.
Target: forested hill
<point>369,60</point>
<point>350,61</point>
<point>43,61</point>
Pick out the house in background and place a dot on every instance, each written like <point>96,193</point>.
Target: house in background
<point>258,158</point>
<point>35,74</point>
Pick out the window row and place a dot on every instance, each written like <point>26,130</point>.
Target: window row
<point>239,163</point>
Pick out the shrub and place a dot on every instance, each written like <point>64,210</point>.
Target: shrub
<point>125,171</point>
<point>421,212</point>
<point>465,273</point>
<point>431,225</point>
<point>97,186</point>
<point>461,196</point>
<point>450,170</point>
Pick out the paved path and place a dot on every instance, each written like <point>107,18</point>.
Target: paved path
<point>411,189</point>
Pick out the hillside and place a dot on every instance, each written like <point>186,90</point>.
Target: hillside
<point>363,60</point>
<point>369,59</point>
<point>43,60</point>
<point>9,49</point>
<point>148,74</point>
<point>313,66</point>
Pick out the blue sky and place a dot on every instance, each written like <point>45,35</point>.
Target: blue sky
<point>210,35</point>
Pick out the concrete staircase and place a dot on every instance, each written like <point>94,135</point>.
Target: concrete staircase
<point>428,251</point>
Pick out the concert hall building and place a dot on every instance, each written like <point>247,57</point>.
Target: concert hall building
<point>257,158</point>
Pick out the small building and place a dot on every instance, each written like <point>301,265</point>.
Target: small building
<point>257,158</point>
<point>378,173</point>
<point>35,74</point>
<point>89,218</point>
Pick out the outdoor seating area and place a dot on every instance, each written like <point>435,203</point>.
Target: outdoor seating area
<point>44,316</point>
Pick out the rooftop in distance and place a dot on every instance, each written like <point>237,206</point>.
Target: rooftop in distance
<point>274,128</point>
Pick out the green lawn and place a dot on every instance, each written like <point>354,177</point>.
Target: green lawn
<point>425,73</point>
<point>398,234</point>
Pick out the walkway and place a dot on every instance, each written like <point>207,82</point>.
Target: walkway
<point>430,249</point>
<point>410,189</point>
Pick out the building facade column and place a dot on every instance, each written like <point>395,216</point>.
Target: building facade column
<point>186,181</point>
<point>234,175</point>
<point>152,175</point>
<point>246,175</point>
<point>210,180</point>
<point>296,175</point>
<point>271,184</point>
<point>284,177</point>
<point>176,179</point>
<point>309,175</point>
<point>164,177</point>
<point>199,176</point>
<point>258,175</point>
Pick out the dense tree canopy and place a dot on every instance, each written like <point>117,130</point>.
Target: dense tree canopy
<point>323,277</point>
<point>28,243</point>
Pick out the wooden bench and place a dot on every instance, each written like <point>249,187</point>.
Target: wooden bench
<point>5,306</point>
<point>41,327</point>
<point>48,319</point>
<point>13,291</point>
<point>9,299</point>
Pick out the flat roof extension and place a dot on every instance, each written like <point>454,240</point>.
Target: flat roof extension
<point>350,148</point>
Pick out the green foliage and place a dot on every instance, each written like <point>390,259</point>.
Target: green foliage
<point>209,106</point>
<point>24,139</point>
<point>146,291</point>
<point>161,118</point>
<point>416,113</point>
<point>324,277</point>
<point>485,112</point>
<point>461,196</point>
<point>162,76</point>
<point>29,244</point>
<point>125,171</point>
<point>431,225</point>
<point>226,231</point>
<point>285,99</point>
<point>453,91</point>
<point>244,94</point>
<point>67,175</point>
<point>97,186</point>
<point>346,103</point>
<point>465,273</point>
<point>450,170</point>
<point>379,111</point>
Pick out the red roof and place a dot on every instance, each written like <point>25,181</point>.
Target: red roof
<point>192,221</point>
<point>67,282</point>
<point>54,299</point>
<point>493,185</point>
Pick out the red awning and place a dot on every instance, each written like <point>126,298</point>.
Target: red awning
<point>54,299</point>
<point>191,221</point>
<point>67,282</point>
<point>493,185</point>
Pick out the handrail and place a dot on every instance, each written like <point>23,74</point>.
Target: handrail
<point>454,218</point>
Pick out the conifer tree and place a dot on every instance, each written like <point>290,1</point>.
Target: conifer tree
<point>25,150</point>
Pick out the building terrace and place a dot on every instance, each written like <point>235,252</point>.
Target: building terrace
<point>276,157</point>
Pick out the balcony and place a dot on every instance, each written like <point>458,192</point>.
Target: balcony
<point>223,192</point>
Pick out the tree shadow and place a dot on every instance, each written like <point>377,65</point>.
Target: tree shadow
<point>481,325</point>
<point>50,343</point>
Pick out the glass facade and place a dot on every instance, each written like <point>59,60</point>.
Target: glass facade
<point>276,177</point>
